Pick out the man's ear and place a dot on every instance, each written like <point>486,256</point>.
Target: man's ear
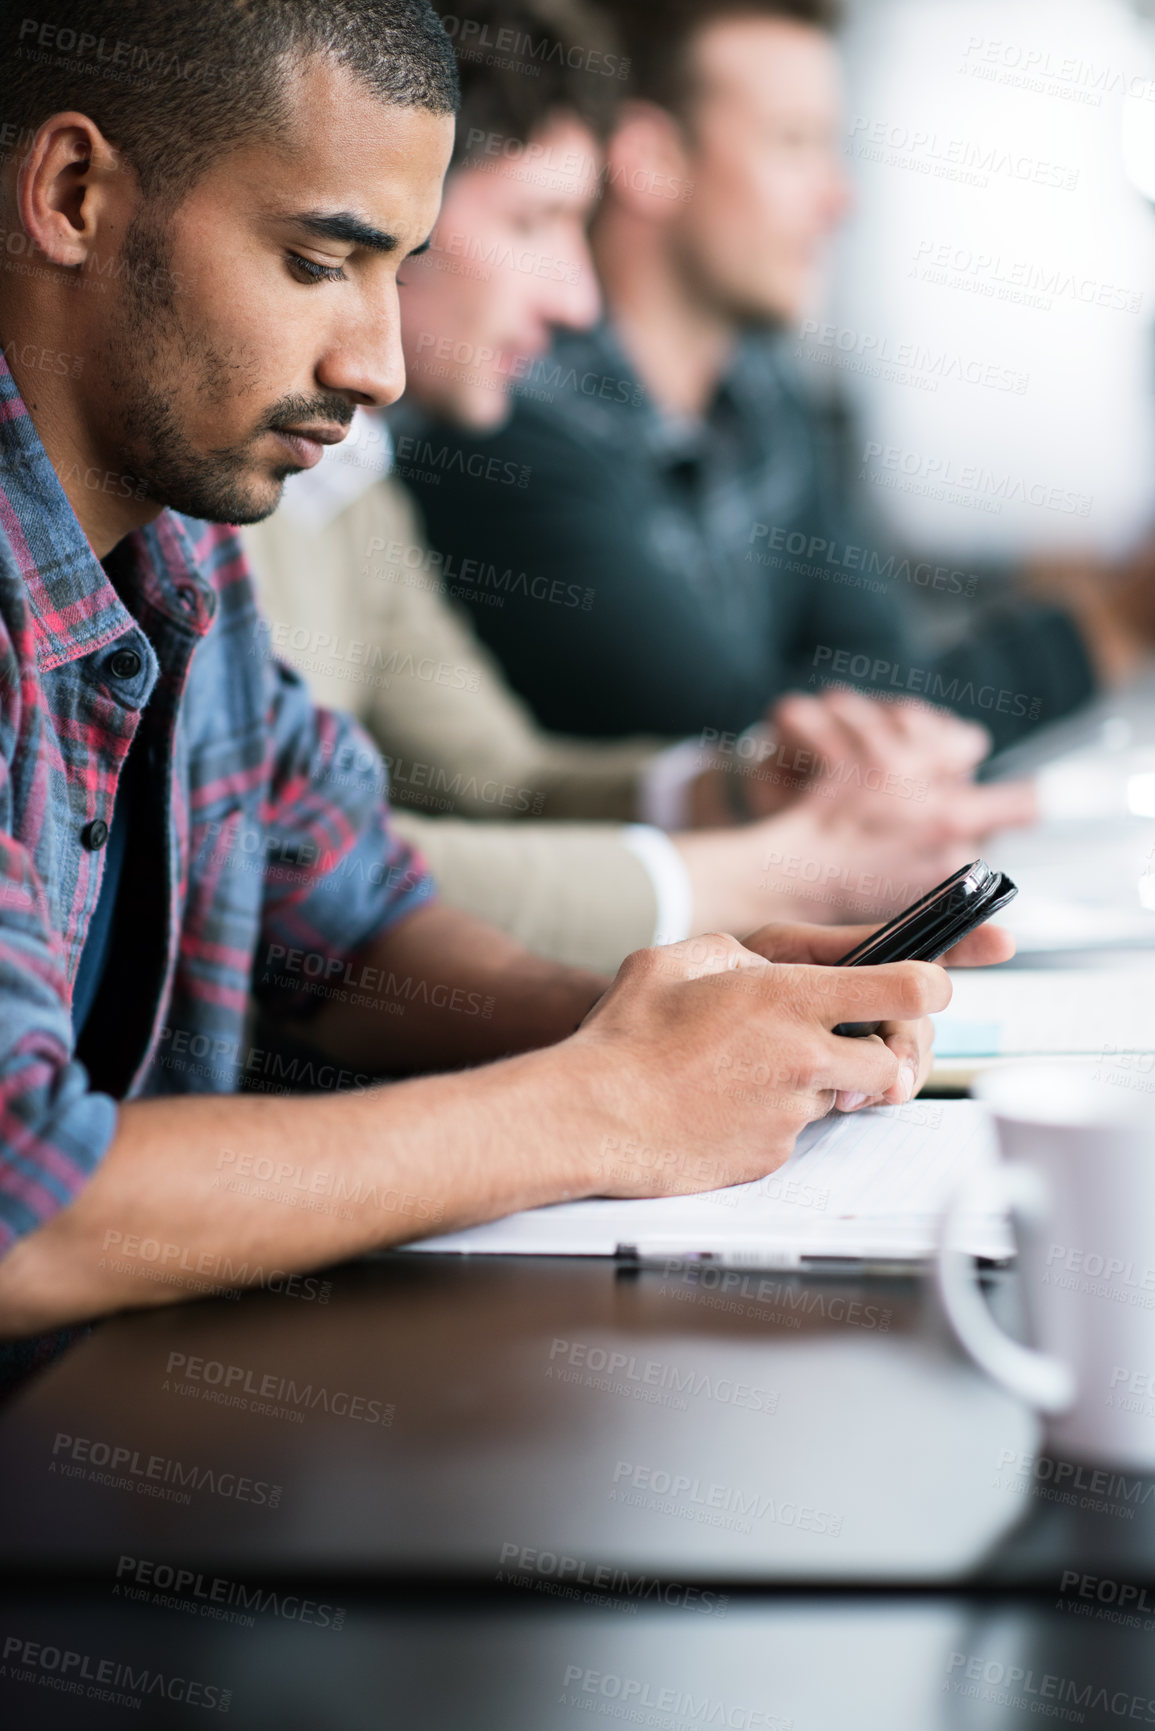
<point>647,163</point>
<point>72,184</point>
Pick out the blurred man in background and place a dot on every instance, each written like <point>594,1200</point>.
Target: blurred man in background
<point>676,464</point>
<point>879,796</point>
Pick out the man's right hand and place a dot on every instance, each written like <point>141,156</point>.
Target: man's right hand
<point>705,1059</point>
<point>843,744</point>
<point>696,1068</point>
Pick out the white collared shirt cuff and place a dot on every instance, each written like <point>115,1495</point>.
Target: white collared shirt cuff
<point>664,784</point>
<point>670,879</point>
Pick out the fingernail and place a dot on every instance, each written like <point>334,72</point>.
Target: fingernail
<point>848,1102</point>
<point>909,1076</point>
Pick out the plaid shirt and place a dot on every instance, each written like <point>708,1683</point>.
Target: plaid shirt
<point>269,833</point>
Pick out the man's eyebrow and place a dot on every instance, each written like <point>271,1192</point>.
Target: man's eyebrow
<point>343,225</point>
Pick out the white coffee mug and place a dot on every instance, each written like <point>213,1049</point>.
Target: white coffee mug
<point>1078,1177</point>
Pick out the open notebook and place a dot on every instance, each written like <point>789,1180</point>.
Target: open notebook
<point>869,1186</point>
<point>1095,1016</point>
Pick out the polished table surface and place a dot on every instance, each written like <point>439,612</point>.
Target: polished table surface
<point>825,1432</point>
<point>476,1458</point>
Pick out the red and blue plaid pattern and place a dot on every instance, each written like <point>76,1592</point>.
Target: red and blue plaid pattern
<point>275,838</point>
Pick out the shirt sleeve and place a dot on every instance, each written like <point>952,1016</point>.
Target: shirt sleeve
<point>571,892</point>
<point>1020,665</point>
<point>667,872</point>
<point>336,872</point>
<point>54,1130</point>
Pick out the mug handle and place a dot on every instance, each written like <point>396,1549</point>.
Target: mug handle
<point>1043,1381</point>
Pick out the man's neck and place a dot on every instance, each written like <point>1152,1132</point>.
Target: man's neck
<point>679,346</point>
<point>100,493</point>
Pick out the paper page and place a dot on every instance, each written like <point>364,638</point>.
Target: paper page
<point>1004,1012</point>
<point>1083,885</point>
<point>1045,924</point>
<point>867,1184</point>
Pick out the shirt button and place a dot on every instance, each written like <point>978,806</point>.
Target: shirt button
<point>125,664</point>
<point>187,596</point>
<point>94,834</point>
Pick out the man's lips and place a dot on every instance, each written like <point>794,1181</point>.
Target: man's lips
<point>307,446</point>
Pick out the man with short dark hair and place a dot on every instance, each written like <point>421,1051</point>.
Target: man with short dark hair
<point>179,825</point>
<point>674,453</point>
<point>533,829</point>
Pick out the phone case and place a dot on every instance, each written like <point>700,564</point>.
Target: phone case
<point>946,921</point>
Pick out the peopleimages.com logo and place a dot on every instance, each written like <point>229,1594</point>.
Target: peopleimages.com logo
<point>67,1671</point>
<point>153,1475</point>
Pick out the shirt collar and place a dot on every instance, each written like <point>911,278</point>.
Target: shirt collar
<point>74,607</point>
<point>747,390</point>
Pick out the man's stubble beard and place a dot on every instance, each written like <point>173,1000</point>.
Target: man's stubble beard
<point>149,358</point>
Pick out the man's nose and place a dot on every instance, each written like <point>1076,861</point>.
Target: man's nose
<point>366,361</point>
<point>577,298</point>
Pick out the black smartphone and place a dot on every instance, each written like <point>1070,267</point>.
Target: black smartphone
<point>932,925</point>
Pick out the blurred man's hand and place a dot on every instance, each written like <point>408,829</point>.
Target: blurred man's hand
<point>856,856</point>
<point>870,754</point>
<point>843,739</point>
<point>847,858</point>
<point>867,805</point>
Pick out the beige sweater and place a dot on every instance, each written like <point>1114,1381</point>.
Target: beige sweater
<point>357,608</point>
